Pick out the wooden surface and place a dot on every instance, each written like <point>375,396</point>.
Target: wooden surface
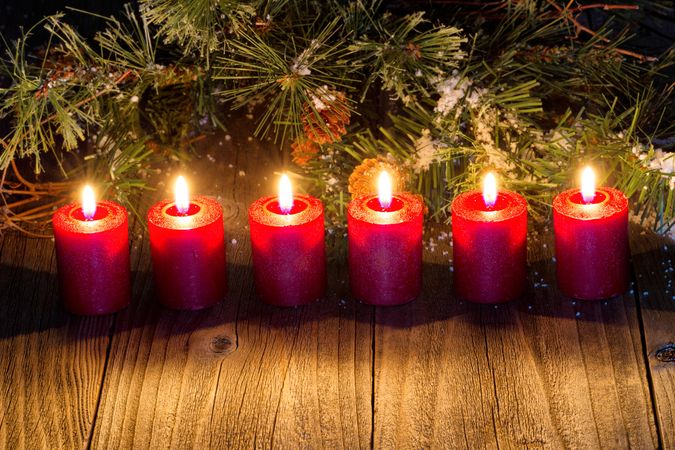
<point>542,372</point>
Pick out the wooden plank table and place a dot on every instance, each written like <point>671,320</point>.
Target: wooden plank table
<point>542,372</point>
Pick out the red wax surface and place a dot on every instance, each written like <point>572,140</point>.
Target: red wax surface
<point>385,249</point>
<point>489,247</point>
<point>188,253</point>
<point>289,255</point>
<point>591,244</point>
<point>93,258</point>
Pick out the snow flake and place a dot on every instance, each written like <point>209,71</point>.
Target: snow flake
<point>426,151</point>
<point>323,98</point>
<point>657,160</point>
<point>455,89</point>
<point>452,90</point>
<point>301,63</point>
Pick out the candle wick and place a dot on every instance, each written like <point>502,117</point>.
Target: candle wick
<point>286,209</point>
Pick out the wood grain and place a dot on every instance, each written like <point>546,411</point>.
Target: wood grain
<point>653,264</point>
<point>51,363</point>
<point>545,371</point>
<point>241,374</point>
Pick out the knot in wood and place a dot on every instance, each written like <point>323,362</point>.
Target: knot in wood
<point>666,353</point>
<point>221,344</point>
<point>230,209</point>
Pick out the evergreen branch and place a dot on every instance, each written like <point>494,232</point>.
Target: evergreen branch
<point>405,59</point>
<point>197,24</point>
<point>535,93</point>
<point>127,45</point>
<point>255,67</point>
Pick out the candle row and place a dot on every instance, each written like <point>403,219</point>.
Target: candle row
<point>385,247</point>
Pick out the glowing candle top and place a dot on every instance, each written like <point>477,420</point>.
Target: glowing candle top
<point>490,190</point>
<point>285,194</point>
<point>88,203</point>
<point>384,189</point>
<point>92,254</point>
<point>181,194</point>
<point>588,185</point>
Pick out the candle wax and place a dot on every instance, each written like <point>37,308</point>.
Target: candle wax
<point>385,249</point>
<point>591,244</point>
<point>93,258</point>
<point>489,247</point>
<point>288,249</point>
<point>188,253</point>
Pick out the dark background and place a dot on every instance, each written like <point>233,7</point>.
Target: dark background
<point>653,26</point>
<point>25,13</point>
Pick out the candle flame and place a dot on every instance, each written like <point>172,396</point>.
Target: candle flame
<point>181,195</point>
<point>88,202</point>
<point>285,194</point>
<point>490,189</point>
<point>588,184</point>
<point>384,189</point>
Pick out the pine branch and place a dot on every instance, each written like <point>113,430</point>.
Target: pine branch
<point>197,25</point>
<point>532,94</point>
<point>256,67</point>
<point>405,58</point>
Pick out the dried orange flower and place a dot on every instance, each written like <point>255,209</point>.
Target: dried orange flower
<point>325,120</point>
<point>303,151</point>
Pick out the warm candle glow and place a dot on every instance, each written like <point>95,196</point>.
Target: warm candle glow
<point>88,202</point>
<point>490,189</point>
<point>588,184</point>
<point>384,189</point>
<point>285,194</point>
<point>181,195</point>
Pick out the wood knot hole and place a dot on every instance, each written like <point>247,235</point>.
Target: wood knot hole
<point>666,353</point>
<point>221,344</point>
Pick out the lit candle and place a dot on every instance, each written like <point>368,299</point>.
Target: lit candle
<point>385,245</point>
<point>92,255</point>
<point>187,242</point>
<point>489,232</point>
<point>591,240</point>
<point>287,240</point>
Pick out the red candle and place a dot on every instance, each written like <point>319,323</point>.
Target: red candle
<point>385,246</point>
<point>489,232</point>
<point>287,240</point>
<point>591,240</point>
<point>187,242</point>
<point>92,255</point>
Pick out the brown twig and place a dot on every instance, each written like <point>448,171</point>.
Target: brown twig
<point>36,193</point>
<point>49,186</point>
<point>33,218</point>
<point>630,53</point>
<point>11,224</point>
<point>31,210</point>
<point>18,203</point>
<point>567,13</point>
<point>32,213</point>
<point>605,7</point>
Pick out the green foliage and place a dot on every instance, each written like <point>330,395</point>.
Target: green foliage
<point>197,24</point>
<point>287,73</point>
<point>517,87</point>
<point>406,59</point>
<point>74,91</point>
